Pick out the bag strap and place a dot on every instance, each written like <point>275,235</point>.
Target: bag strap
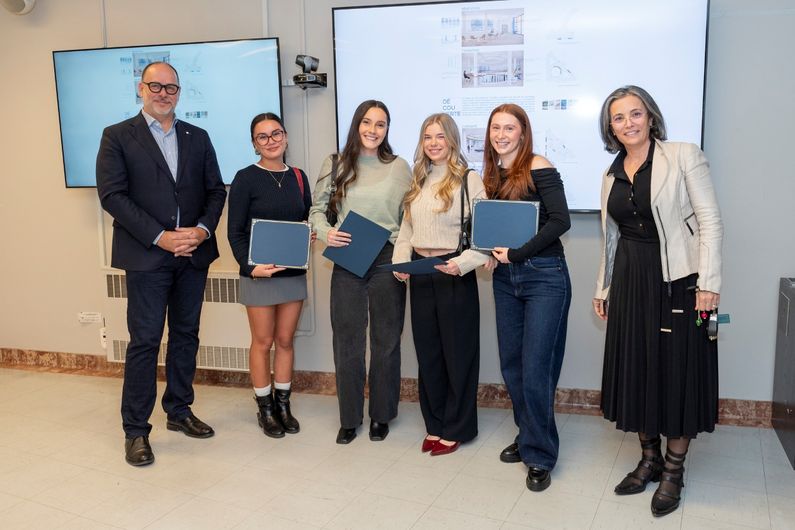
<point>464,193</point>
<point>462,235</point>
<point>300,180</point>
<point>332,190</point>
<point>334,163</point>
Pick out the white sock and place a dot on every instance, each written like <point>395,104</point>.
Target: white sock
<point>262,392</point>
<point>282,386</point>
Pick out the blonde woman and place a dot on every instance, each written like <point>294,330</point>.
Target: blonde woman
<point>445,315</point>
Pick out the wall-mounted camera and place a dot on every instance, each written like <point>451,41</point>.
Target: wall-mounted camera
<point>309,77</point>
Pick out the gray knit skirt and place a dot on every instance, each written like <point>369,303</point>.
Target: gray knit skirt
<point>271,291</point>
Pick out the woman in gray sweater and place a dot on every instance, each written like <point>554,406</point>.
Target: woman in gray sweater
<point>369,178</point>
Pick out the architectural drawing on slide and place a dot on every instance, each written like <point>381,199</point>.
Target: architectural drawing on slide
<point>492,27</point>
<point>558,70</point>
<point>474,143</point>
<point>492,69</point>
<point>555,149</point>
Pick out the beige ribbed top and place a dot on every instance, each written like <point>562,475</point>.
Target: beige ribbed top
<point>429,229</point>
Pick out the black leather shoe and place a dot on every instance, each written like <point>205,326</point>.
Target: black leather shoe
<point>138,452</point>
<point>378,431</point>
<point>510,455</point>
<point>538,479</point>
<point>346,436</point>
<point>191,426</point>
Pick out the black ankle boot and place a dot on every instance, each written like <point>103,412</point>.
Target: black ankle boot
<point>282,401</point>
<point>648,470</point>
<point>266,418</point>
<point>666,498</point>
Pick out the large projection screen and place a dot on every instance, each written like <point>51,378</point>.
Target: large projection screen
<point>558,59</point>
<point>224,85</point>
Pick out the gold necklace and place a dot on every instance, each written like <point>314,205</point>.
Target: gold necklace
<point>279,181</point>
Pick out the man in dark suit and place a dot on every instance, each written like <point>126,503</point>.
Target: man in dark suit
<point>159,179</point>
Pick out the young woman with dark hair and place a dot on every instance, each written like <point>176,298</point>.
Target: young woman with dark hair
<point>368,178</point>
<point>273,296</point>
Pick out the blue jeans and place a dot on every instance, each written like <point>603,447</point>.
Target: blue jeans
<point>532,301</point>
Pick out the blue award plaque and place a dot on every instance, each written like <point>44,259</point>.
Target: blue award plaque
<point>497,223</point>
<point>367,240</point>
<point>281,243</point>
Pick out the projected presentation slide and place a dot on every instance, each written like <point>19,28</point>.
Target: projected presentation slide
<point>224,85</point>
<point>558,59</point>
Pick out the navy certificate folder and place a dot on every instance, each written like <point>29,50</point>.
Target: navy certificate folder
<point>417,266</point>
<point>367,240</point>
<point>508,224</point>
<point>281,243</point>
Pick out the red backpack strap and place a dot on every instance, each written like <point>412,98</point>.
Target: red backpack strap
<point>300,180</point>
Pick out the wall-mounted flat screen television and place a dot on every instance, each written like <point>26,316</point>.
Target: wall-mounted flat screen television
<point>224,85</point>
<point>558,59</point>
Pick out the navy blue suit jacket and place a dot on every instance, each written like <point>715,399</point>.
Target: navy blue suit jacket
<point>135,186</point>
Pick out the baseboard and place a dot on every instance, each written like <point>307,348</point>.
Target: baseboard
<point>740,412</point>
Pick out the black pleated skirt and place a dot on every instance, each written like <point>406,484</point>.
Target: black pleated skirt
<point>660,373</point>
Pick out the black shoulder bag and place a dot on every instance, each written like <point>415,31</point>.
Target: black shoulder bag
<point>465,235</point>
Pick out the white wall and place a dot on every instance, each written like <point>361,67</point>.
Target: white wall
<point>50,265</point>
<point>750,114</point>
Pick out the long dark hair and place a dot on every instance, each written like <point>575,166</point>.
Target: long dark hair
<point>347,162</point>
<point>518,180</point>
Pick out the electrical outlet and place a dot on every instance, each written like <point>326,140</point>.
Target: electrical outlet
<point>89,317</point>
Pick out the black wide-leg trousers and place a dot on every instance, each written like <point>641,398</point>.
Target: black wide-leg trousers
<point>445,319</point>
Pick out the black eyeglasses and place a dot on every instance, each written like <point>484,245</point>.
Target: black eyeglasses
<point>155,88</point>
<point>263,139</point>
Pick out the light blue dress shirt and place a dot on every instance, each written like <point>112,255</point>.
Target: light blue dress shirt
<point>167,142</point>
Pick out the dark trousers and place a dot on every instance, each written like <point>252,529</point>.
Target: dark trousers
<point>445,320</point>
<point>531,302</point>
<point>176,290</point>
<point>381,296</point>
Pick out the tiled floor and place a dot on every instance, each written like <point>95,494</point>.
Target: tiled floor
<point>62,466</point>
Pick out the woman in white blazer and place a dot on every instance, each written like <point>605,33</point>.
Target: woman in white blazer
<point>660,277</point>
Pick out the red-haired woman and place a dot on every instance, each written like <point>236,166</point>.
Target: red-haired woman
<point>532,291</point>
